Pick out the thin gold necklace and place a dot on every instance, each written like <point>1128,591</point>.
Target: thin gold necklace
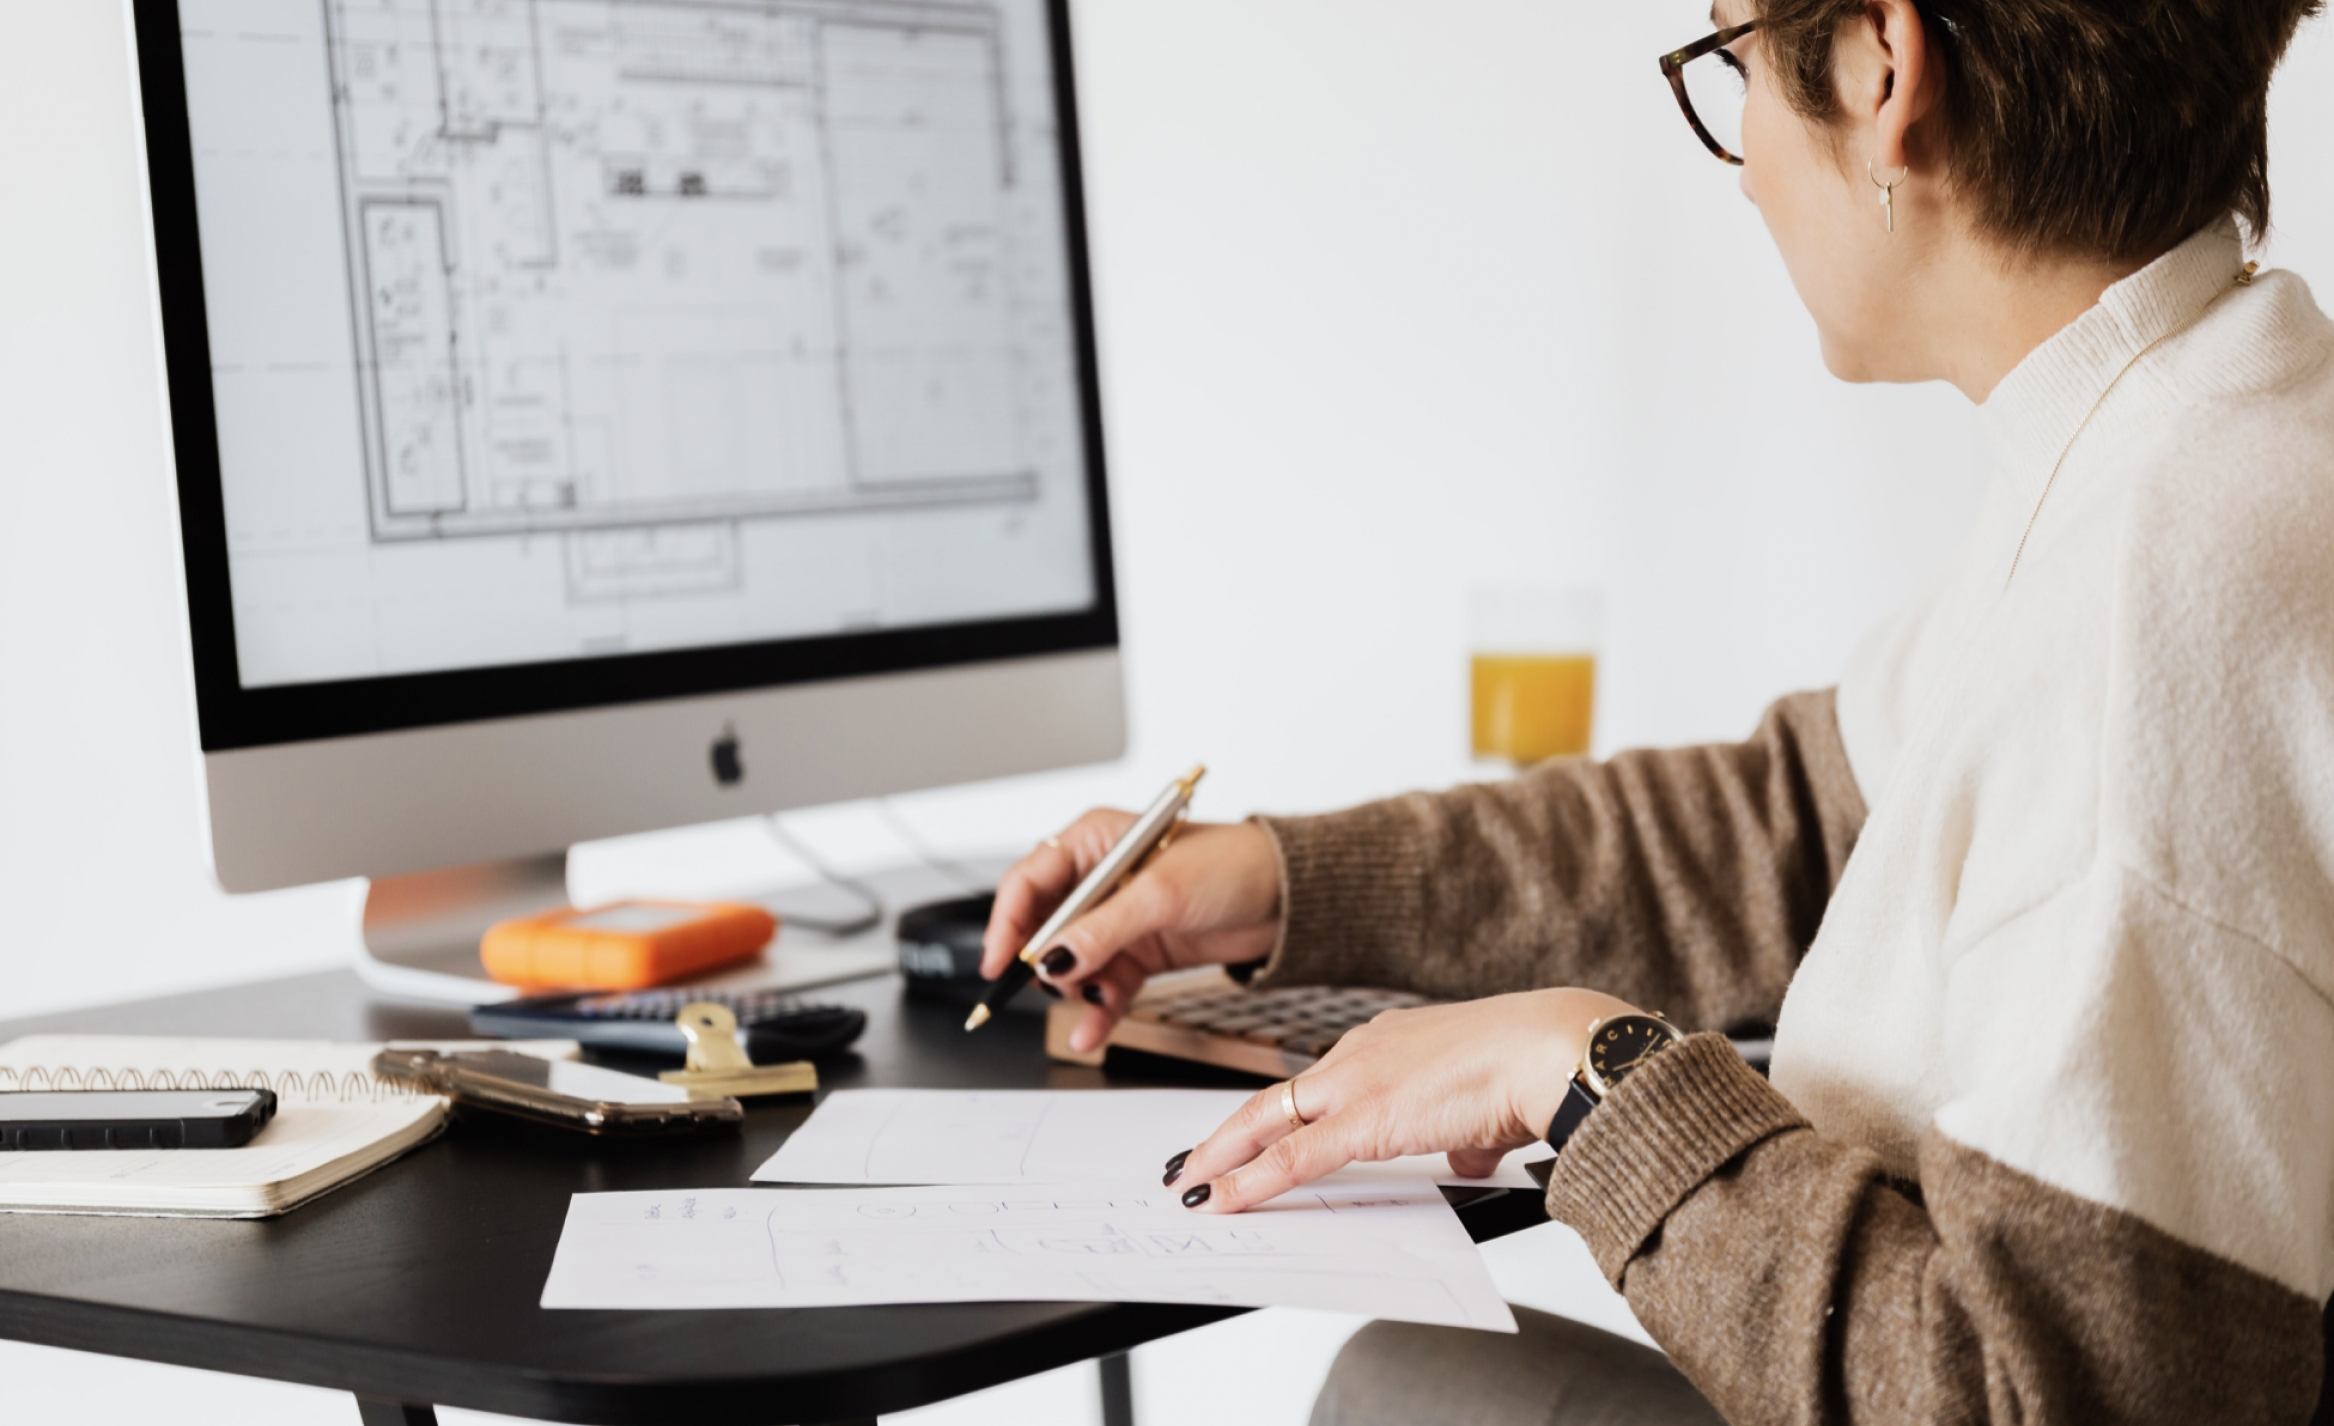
<point>2244,279</point>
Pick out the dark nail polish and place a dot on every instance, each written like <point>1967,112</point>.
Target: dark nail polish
<point>1090,993</point>
<point>1197,1196</point>
<point>1050,988</point>
<point>1061,960</point>
<point>1175,1169</point>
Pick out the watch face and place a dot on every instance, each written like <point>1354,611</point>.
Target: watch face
<point>1619,1045</point>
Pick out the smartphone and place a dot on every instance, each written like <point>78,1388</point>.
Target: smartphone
<point>133,1118</point>
<point>567,1093</point>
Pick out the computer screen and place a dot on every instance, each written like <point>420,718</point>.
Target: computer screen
<point>562,352</point>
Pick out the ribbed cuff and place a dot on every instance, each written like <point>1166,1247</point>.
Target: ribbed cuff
<point>1349,895</point>
<point>1664,1130</point>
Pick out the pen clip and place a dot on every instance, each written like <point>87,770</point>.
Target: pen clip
<point>1166,840</point>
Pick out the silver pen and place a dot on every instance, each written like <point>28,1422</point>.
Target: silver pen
<point>1151,833</point>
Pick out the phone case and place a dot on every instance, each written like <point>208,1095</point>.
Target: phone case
<point>218,1129</point>
<point>492,1081</point>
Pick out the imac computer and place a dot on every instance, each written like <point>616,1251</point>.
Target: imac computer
<point>594,416</point>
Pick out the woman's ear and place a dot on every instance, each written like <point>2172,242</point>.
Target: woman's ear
<point>1887,79</point>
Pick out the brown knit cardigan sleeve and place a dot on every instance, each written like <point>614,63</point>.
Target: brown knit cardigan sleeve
<point>1689,881</point>
<point>1792,1281</point>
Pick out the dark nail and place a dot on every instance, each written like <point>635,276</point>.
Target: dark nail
<point>1090,993</point>
<point>1050,988</point>
<point>1197,1196</point>
<point>1061,960</point>
<point>1175,1169</point>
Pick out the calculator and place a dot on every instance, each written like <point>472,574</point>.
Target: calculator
<point>1202,1015</point>
<point>774,1027</point>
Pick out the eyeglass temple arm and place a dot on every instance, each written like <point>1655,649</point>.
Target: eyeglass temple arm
<point>1676,60</point>
<point>1673,68</point>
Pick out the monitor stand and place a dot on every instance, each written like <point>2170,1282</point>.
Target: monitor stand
<point>421,931</point>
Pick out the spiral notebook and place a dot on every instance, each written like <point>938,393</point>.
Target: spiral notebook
<point>335,1121</point>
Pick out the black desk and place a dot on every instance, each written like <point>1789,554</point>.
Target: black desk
<point>418,1284</point>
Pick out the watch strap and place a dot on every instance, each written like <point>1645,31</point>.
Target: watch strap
<point>1577,1106</point>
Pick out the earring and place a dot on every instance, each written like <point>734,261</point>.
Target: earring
<point>1888,192</point>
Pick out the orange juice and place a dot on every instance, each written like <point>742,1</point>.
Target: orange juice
<point>1530,707</point>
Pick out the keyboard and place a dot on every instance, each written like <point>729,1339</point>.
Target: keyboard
<point>1205,1016</point>
<point>775,1027</point>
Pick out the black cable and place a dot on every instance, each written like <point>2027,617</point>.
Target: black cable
<point>868,920</point>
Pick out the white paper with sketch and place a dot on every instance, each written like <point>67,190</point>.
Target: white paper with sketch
<point>1389,1250</point>
<point>895,1136</point>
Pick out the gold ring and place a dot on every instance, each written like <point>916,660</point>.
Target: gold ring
<point>1288,1104</point>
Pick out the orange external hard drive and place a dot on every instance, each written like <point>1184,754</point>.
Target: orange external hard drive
<point>626,946</point>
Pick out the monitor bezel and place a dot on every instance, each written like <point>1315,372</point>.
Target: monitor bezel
<point>230,716</point>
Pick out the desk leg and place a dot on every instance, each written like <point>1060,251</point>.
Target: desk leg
<point>373,1411</point>
<point>1118,1390</point>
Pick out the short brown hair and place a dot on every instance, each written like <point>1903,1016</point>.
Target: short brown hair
<point>2111,128</point>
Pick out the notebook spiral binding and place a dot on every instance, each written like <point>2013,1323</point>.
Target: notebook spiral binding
<point>322,1086</point>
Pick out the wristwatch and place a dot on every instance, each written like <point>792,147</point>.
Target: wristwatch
<point>1617,1047</point>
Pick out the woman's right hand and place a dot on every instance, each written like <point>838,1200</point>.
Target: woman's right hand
<point>1211,898</point>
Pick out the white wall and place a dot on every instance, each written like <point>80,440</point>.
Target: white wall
<point>1397,298</point>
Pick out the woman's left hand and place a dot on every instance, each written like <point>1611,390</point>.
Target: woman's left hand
<point>1472,1080</point>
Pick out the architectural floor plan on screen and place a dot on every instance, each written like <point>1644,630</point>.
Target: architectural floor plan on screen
<point>617,264</point>
<point>546,329</point>
<point>572,327</point>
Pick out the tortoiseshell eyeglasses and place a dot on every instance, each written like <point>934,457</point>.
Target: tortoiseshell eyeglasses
<point>1711,82</point>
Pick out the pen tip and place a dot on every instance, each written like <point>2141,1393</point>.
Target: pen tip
<point>978,1018</point>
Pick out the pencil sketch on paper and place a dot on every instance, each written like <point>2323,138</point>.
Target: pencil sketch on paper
<point>1387,1250</point>
<point>872,1136</point>
<point>927,1236</point>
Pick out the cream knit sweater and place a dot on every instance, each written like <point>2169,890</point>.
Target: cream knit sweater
<point>2043,898</point>
<point>2088,930</point>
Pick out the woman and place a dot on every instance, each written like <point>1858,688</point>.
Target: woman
<point>2041,897</point>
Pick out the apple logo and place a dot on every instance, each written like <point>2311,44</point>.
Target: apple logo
<point>728,769</point>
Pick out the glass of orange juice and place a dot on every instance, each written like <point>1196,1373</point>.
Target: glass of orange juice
<point>1533,667</point>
